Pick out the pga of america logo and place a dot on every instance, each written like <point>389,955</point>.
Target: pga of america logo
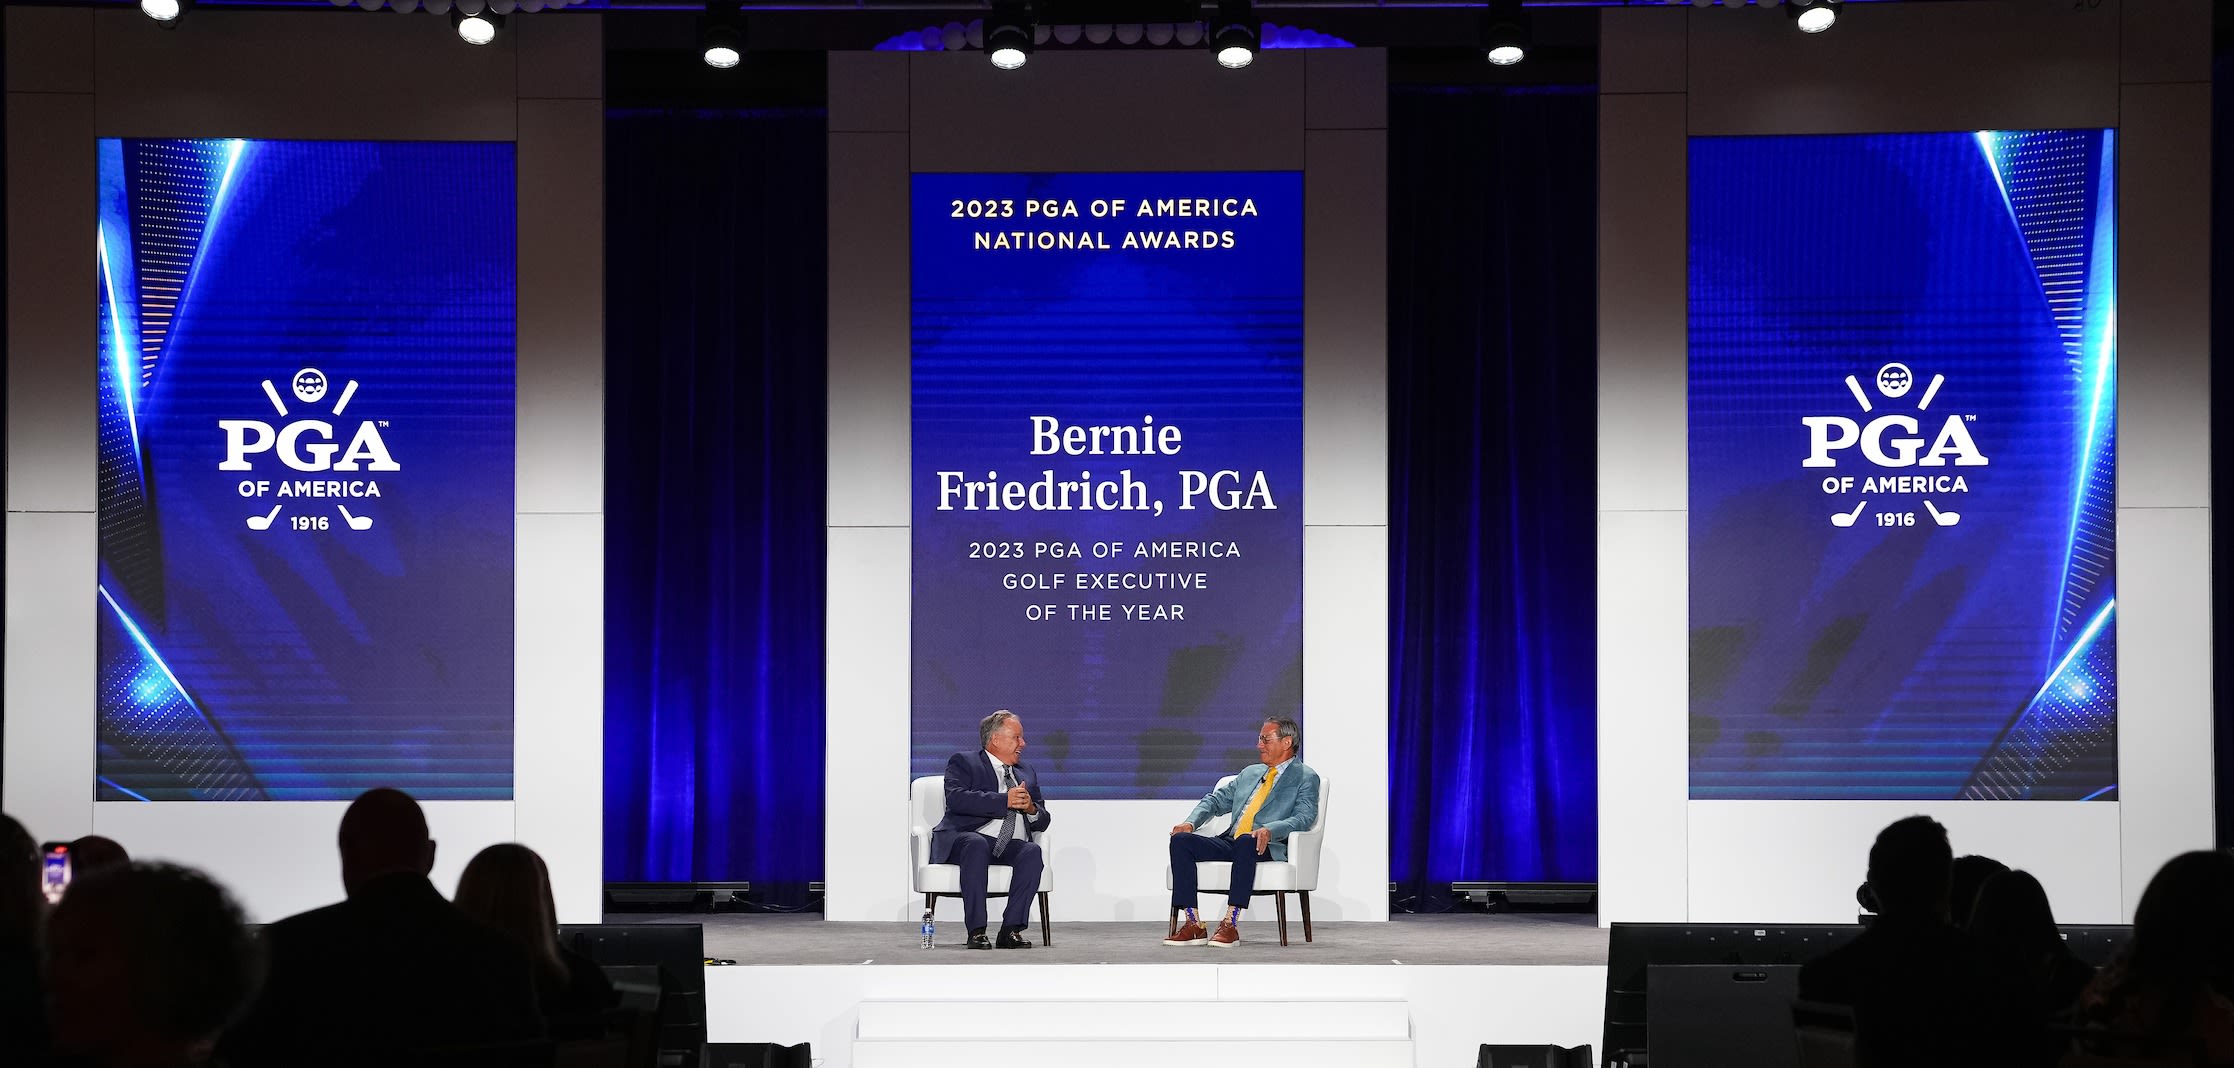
<point>308,445</point>
<point>1894,440</point>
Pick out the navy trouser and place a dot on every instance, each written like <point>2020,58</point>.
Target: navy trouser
<point>974,853</point>
<point>1187,849</point>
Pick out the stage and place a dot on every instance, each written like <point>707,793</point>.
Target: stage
<point>1531,938</point>
<point>1417,990</point>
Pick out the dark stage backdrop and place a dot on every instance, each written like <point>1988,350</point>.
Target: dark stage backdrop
<point>715,286</point>
<point>1492,473</point>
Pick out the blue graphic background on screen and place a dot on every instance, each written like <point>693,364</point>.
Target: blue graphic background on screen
<point>1971,659</point>
<point>1208,340</point>
<point>305,664</point>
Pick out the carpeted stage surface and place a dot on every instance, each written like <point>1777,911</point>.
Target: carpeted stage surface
<point>1510,938</point>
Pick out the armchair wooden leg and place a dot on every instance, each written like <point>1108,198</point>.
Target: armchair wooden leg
<point>1046,930</point>
<point>1174,928</point>
<point>930,902</point>
<point>1306,896</point>
<point>1280,903</point>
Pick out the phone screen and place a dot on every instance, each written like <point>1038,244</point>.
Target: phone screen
<point>54,872</point>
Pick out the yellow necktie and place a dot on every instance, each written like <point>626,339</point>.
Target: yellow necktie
<point>1248,821</point>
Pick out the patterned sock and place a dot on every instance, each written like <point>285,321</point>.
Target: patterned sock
<point>1192,918</point>
<point>1233,915</point>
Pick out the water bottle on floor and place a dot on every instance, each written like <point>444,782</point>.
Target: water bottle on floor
<point>929,928</point>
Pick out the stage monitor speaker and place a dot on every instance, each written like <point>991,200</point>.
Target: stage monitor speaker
<point>678,953</point>
<point>2097,944</point>
<point>1634,946</point>
<point>1533,1057</point>
<point>1716,1015</point>
<point>759,1055</point>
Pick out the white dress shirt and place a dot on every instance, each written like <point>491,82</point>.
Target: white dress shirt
<point>992,828</point>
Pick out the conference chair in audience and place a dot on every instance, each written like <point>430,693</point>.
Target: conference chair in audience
<point>927,805</point>
<point>1825,1034</point>
<point>1298,875</point>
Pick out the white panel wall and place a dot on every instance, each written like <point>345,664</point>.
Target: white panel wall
<point>280,858</point>
<point>890,114</point>
<point>76,75</point>
<point>1820,853</point>
<point>2141,66</point>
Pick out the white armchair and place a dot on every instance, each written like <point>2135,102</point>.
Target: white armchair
<point>926,807</point>
<point>1298,875</point>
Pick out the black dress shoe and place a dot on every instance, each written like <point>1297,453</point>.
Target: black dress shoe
<point>1012,940</point>
<point>979,941</point>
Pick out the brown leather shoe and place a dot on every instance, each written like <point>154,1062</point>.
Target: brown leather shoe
<point>1228,936</point>
<point>1191,933</point>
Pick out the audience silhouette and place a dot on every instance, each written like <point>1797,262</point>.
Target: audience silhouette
<point>2015,930</point>
<point>93,854</point>
<point>23,1028</point>
<point>1968,875</point>
<point>393,974</point>
<point>146,965</point>
<point>2026,958</point>
<point>508,887</point>
<point>1918,990</point>
<point>2168,991</point>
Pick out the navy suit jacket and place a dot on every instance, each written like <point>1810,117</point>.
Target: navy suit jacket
<point>974,795</point>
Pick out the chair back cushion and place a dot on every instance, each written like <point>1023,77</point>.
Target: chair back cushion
<point>927,800</point>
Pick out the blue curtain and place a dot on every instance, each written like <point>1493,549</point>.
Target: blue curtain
<point>714,385</point>
<point>1492,473</point>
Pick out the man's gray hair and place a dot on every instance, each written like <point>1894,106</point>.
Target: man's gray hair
<point>986,726</point>
<point>1289,729</point>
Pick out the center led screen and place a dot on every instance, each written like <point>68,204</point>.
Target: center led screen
<point>305,381</point>
<point>1106,482</point>
<point>1903,429</point>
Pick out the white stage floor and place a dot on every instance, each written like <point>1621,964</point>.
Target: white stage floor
<point>893,1004</point>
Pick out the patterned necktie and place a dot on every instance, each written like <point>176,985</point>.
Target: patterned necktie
<point>1248,820</point>
<point>1009,823</point>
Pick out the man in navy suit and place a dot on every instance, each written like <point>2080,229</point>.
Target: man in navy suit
<point>993,806</point>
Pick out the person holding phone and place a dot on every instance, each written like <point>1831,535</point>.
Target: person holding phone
<point>993,807</point>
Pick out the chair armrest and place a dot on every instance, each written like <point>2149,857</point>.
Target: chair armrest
<point>919,849</point>
<point>1303,852</point>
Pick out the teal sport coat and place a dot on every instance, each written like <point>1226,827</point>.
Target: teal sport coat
<point>1292,806</point>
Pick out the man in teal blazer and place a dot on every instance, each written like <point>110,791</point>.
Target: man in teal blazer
<point>1270,801</point>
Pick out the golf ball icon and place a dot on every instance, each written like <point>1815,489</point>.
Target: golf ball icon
<point>1893,380</point>
<point>310,385</point>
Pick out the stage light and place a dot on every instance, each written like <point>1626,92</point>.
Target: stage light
<point>478,28</point>
<point>1008,35</point>
<point>1235,36</point>
<point>166,12</point>
<point>1813,17</point>
<point>721,35</point>
<point>1505,32</point>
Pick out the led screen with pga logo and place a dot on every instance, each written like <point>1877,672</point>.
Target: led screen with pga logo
<point>305,378</point>
<point>1902,407</point>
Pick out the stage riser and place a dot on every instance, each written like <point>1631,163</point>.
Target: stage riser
<point>1209,1053</point>
<point>1451,1009</point>
<point>1064,1021</point>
